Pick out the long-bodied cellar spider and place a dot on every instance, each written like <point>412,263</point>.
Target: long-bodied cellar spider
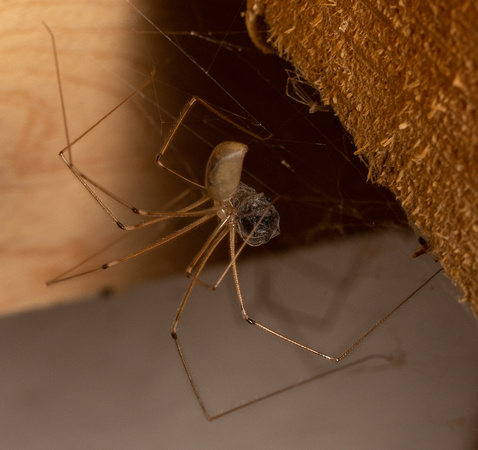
<point>240,210</point>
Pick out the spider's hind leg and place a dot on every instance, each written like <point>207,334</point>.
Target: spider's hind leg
<point>334,358</point>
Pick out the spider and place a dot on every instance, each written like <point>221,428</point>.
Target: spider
<point>240,210</point>
<point>297,89</point>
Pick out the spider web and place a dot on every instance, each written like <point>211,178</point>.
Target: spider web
<point>317,296</point>
<point>309,159</point>
<point>323,196</point>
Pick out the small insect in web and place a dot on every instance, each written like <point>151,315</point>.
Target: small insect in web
<point>239,209</point>
<point>298,89</point>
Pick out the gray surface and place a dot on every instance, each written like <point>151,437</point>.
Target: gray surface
<point>104,374</point>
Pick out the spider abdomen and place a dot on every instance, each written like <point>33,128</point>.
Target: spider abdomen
<point>223,170</point>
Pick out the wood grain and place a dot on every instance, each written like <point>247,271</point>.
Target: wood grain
<point>49,222</point>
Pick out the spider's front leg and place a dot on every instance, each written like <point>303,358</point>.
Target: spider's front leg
<point>193,101</point>
<point>171,135</point>
<point>187,211</point>
<point>66,153</point>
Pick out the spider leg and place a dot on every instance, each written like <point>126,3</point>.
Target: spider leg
<point>193,272</point>
<point>63,109</point>
<point>187,108</point>
<point>241,247</point>
<point>198,265</point>
<point>205,252</point>
<point>86,181</point>
<point>201,260</point>
<point>337,358</point>
<point>65,275</point>
<point>183,212</point>
<point>173,131</point>
<point>66,156</point>
<point>140,211</point>
<point>186,368</point>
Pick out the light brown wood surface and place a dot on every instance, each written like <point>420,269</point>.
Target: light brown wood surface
<point>49,223</point>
